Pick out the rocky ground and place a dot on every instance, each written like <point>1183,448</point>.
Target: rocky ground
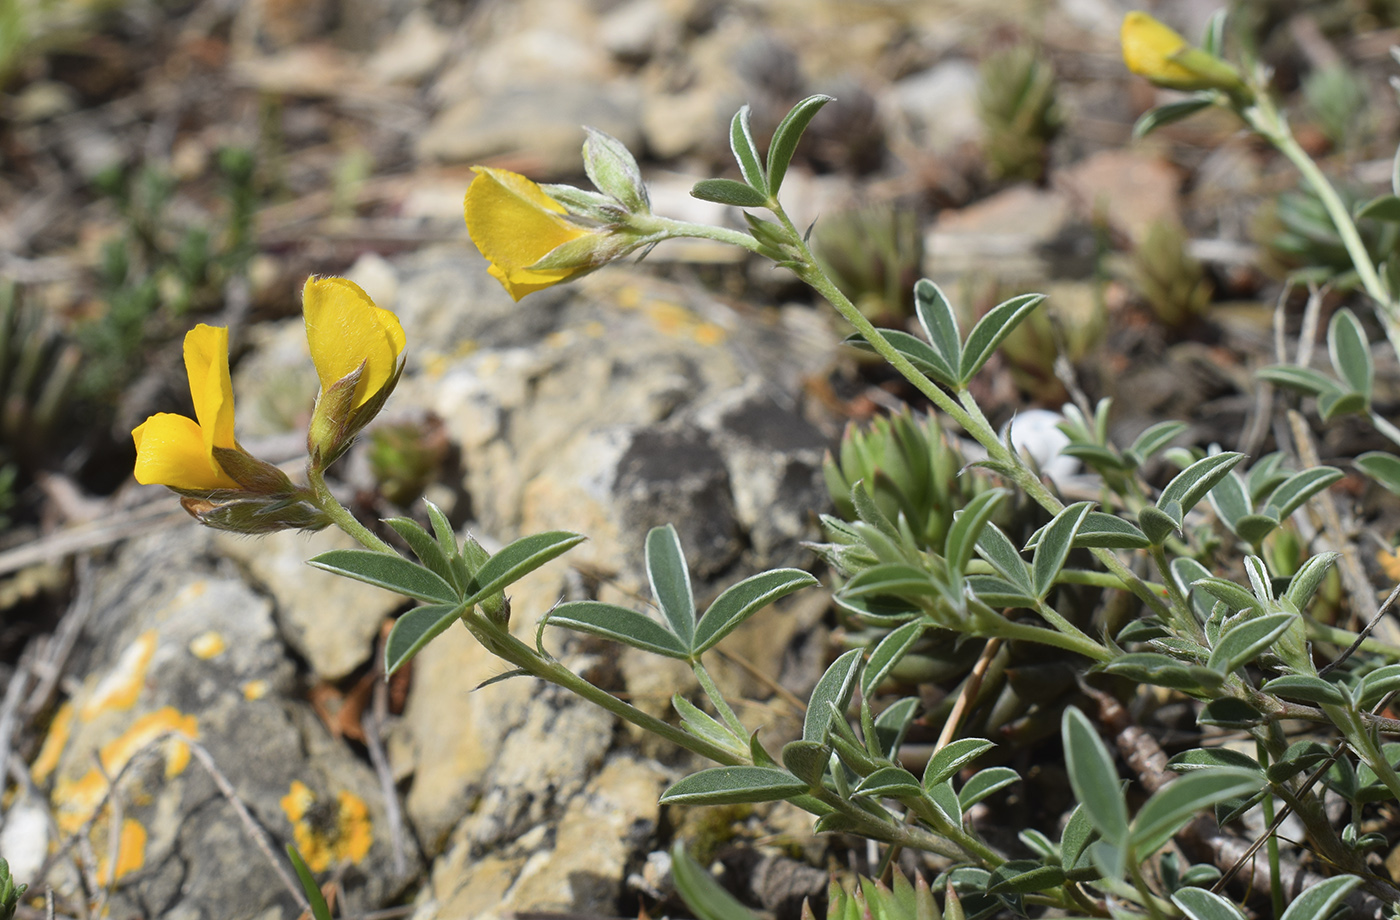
<point>696,388</point>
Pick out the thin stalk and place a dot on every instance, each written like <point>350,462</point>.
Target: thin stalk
<point>1345,637</point>
<point>1180,616</point>
<point>1385,428</point>
<point>1275,876</point>
<point>341,516</point>
<point>722,707</point>
<point>1057,620</point>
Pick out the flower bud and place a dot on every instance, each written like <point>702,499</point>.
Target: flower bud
<point>1155,51</point>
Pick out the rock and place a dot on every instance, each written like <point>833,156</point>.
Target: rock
<point>416,50</point>
<point>936,109</point>
<point>1011,235</point>
<point>332,622</point>
<point>1132,190</point>
<point>179,643</point>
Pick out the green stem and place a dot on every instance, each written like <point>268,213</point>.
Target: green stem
<point>717,699</point>
<point>1345,637</point>
<point>1180,617</point>
<point>1385,428</point>
<point>1275,877</point>
<point>1057,620</point>
<point>341,516</point>
<point>669,228</point>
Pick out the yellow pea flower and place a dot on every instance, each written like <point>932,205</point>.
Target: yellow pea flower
<point>176,451</point>
<point>1157,52</point>
<point>345,330</point>
<point>515,224</point>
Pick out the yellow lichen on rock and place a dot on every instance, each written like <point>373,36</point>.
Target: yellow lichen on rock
<point>328,834</point>
<point>208,645</point>
<point>123,684</point>
<point>131,852</point>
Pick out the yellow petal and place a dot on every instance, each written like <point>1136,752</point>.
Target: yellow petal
<point>206,363</point>
<point>1147,48</point>
<point>170,452</point>
<point>515,224</point>
<point>344,329</point>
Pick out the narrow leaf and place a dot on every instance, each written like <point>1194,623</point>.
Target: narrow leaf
<point>320,910</point>
<point>938,321</point>
<point>1307,689</point>
<point>743,600</point>
<point>1094,777</point>
<point>1166,114</point>
<point>1305,581</point>
<point>807,760</point>
<point>518,559</point>
<point>967,528</point>
<point>705,897</point>
<point>1108,531</point>
<point>746,151</point>
<point>416,629</point>
<point>785,138</point>
<point>984,783</point>
<point>621,625</point>
<point>1246,641</point>
<point>833,689</point>
<point>1168,810</point>
<point>953,757</point>
<point>994,546</point>
<point>922,355</point>
<point>1378,684</point>
<point>888,653</point>
<point>427,549</point>
<point>1155,438</point>
<point>670,582</point>
<point>1055,545</point>
<point>734,785</point>
<point>889,782</point>
<point>394,572</point>
<point>1300,487</point>
<point>1191,484</point>
<point>730,192</point>
<point>893,723</point>
<point>1317,902</point>
<point>1025,876</point>
<point>1200,904</point>
<point>991,330</point>
<point>1231,501</point>
<point>1383,467</point>
<point>1383,207</point>
<point>701,724</point>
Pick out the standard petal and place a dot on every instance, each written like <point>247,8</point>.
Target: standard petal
<point>344,329</point>
<point>515,224</point>
<point>206,363</point>
<point>170,452</point>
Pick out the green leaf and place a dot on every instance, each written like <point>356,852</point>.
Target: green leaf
<point>734,785</point>
<point>705,897</point>
<point>382,570</point>
<point>967,528</point>
<point>320,910</point>
<point>621,625</point>
<point>1154,439</point>
<point>1199,904</point>
<point>1024,876</point>
<point>1306,688</point>
<point>1247,640</point>
<point>943,796</point>
<point>1231,501</point>
<point>939,322</point>
<point>984,783</point>
<point>834,688</point>
<point>952,757</point>
<point>746,151</point>
<point>1383,207</point>
<point>611,168</point>
<point>888,653</point>
<point>994,546</point>
<point>1230,713</point>
<point>416,629</point>
<point>1108,531</point>
<point>893,723</point>
<point>998,592</point>
<point>1191,484</point>
<point>1350,352</point>
<point>743,600</point>
<point>518,559</point>
<point>702,724</point>
<point>1332,405</point>
<point>894,579</point>
<point>919,353</point>
<point>1161,671</point>
<point>1094,777</point>
<point>1383,467</point>
<point>1300,487</point>
<point>1253,528</point>
<point>670,581</point>
<point>442,529</point>
<point>1156,524</point>
<point>785,138</point>
<point>1230,594</point>
<point>1055,545</point>
<point>1079,832</point>
<point>1168,810</point>
<point>1316,903</point>
<point>1210,758</point>
<point>1166,114</point>
<point>991,330</point>
<point>1303,585</point>
<point>1378,684</point>
<point>730,192</point>
<point>807,760</point>
<point>427,549</point>
<point>889,782</point>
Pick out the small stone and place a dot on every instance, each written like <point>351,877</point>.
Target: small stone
<point>416,50</point>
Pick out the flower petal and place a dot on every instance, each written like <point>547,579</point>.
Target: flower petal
<point>1148,46</point>
<point>206,363</point>
<point>515,224</point>
<point>344,329</point>
<point>170,452</point>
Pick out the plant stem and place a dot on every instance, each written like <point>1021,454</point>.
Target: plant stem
<point>721,705</point>
<point>341,516</point>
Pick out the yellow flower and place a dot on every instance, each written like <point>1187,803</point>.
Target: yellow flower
<point>345,330</point>
<point>515,224</point>
<point>175,451</point>
<point>1155,51</point>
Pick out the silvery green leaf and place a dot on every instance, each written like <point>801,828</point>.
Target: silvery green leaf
<point>1154,439</point>
<point>670,582</point>
<point>808,760</point>
<point>1381,466</point>
<point>746,152</point>
<point>1168,810</point>
<point>998,592</point>
<point>1024,876</point>
<point>612,168</point>
<point>923,356</point>
<point>939,323</point>
<point>1247,640</point>
<point>517,559</point>
<point>833,689</point>
<point>1382,207</point>
<point>583,203</point>
<point>967,527</point>
<point>1108,531</point>
<point>1209,758</point>
<point>984,783</point>
<point>1232,595</point>
<point>1317,902</point>
<point>1094,777</point>
<point>734,785</point>
<point>427,549</point>
<point>1260,582</point>
<point>1378,684</point>
<point>889,782</point>
<point>1213,38</point>
<point>991,330</point>
<point>1305,581</point>
<point>889,652</point>
<point>730,192</point>
<point>416,629</point>
<point>1200,904</point>
<point>1230,501</point>
<point>1298,488</point>
<point>1079,832</point>
<point>1161,671</point>
<point>1350,352</point>
<point>1156,524</point>
<point>743,600</point>
<point>893,723</point>
<point>894,579</point>
<point>705,897</point>
<point>621,625</point>
<point>392,572</point>
<point>785,138</point>
<point>1054,547</point>
<point>701,724</point>
<point>953,757</point>
<point>1191,485</point>
<point>1166,114</point>
<point>994,546</point>
<point>1332,405</point>
<point>1302,379</point>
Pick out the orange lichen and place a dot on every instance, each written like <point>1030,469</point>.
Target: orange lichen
<point>123,684</point>
<point>254,690</point>
<point>208,645</point>
<point>54,743</point>
<point>131,852</point>
<point>1390,563</point>
<point>328,834</point>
